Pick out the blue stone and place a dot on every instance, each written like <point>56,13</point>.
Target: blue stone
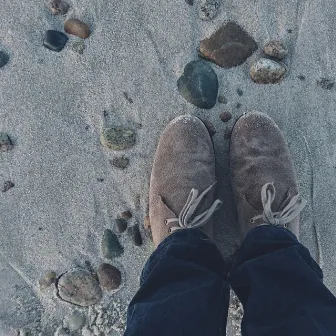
<point>55,40</point>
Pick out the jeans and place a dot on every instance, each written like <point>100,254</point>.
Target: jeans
<point>185,288</point>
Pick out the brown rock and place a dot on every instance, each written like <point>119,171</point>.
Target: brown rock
<point>58,7</point>
<point>47,280</point>
<point>77,27</point>
<point>109,277</point>
<point>229,46</point>
<point>225,116</point>
<point>276,49</point>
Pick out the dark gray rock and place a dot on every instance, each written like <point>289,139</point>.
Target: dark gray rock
<point>5,142</point>
<point>229,46</point>
<point>126,215</point>
<point>4,59</point>
<point>325,83</point>
<point>199,84</point>
<point>240,92</point>
<point>7,185</point>
<point>79,287</point>
<point>110,245</point>
<point>109,277</point>
<point>120,225</point>
<point>117,138</point>
<point>120,162</point>
<point>134,234</point>
<point>55,40</point>
<point>58,7</point>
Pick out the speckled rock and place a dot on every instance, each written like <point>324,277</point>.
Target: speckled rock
<point>7,186</point>
<point>126,215</point>
<point>47,280</point>
<point>55,40</point>
<point>4,59</point>
<point>5,142</point>
<point>109,277</point>
<point>74,321</point>
<point>208,9</point>
<point>225,116</point>
<point>120,162</point>
<point>120,225</point>
<point>199,84</point>
<point>77,28</point>
<point>266,71</point>
<point>58,7</point>
<point>276,49</point>
<point>78,47</point>
<point>325,83</point>
<point>79,287</point>
<point>117,138</point>
<point>134,234</point>
<point>229,46</point>
<point>110,245</point>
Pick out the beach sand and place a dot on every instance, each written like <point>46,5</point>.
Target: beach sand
<point>52,106</point>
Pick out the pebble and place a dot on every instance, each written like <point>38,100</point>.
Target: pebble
<point>4,59</point>
<point>276,49</point>
<point>225,116</point>
<point>117,138</point>
<point>222,99</point>
<point>79,287</point>
<point>325,83</point>
<point>301,77</point>
<point>127,97</point>
<point>210,127</point>
<point>120,162</point>
<point>110,245</point>
<point>7,185</point>
<point>74,321</point>
<point>58,7</point>
<point>55,40</point>
<point>266,71</point>
<point>208,9</point>
<point>78,47</point>
<point>5,142</point>
<point>199,84</point>
<point>228,47</point>
<point>126,214</point>
<point>120,225</point>
<point>134,234</point>
<point>47,280</point>
<point>109,277</point>
<point>77,28</point>
<point>240,92</point>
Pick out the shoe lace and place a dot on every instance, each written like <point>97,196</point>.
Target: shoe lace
<point>185,220</point>
<point>281,218</point>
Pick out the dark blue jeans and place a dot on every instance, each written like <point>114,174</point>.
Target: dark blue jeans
<point>185,288</point>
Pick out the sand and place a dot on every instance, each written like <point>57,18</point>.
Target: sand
<point>52,105</point>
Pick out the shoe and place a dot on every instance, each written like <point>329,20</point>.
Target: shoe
<point>263,177</point>
<point>181,194</point>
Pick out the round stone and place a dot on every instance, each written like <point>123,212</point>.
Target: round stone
<point>199,84</point>
<point>109,277</point>
<point>58,7</point>
<point>266,71</point>
<point>117,138</point>
<point>4,59</point>
<point>110,245</point>
<point>276,49</point>
<point>120,225</point>
<point>47,280</point>
<point>74,321</point>
<point>225,116</point>
<point>120,162</point>
<point>208,9</point>
<point>126,215</point>
<point>79,287</point>
<point>134,234</point>
<point>5,142</point>
<point>77,28</point>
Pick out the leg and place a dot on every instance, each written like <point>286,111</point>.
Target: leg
<point>280,287</point>
<point>182,291</point>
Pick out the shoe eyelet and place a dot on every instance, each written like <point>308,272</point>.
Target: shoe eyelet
<point>166,222</point>
<point>170,230</point>
<point>252,221</point>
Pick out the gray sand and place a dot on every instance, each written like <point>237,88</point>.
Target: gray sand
<point>52,106</point>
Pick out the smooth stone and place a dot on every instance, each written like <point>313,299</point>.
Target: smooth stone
<point>55,40</point>
<point>120,225</point>
<point>5,142</point>
<point>7,185</point>
<point>199,84</point>
<point>222,99</point>
<point>276,49</point>
<point>126,215</point>
<point>79,287</point>
<point>240,92</point>
<point>266,71</point>
<point>229,46</point>
<point>110,246</point>
<point>134,234</point>
<point>4,59</point>
<point>325,83</point>
<point>77,28</point>
<point>47,280</point>
<point>109,277</point>
<point>225,116</point>
<point>210,127</point>
<point>78,47</point>
<point>208,9</point>
<point>120,162</point>
<point>117,138</point>
<point>58,7</point>
<point>74,321</point>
